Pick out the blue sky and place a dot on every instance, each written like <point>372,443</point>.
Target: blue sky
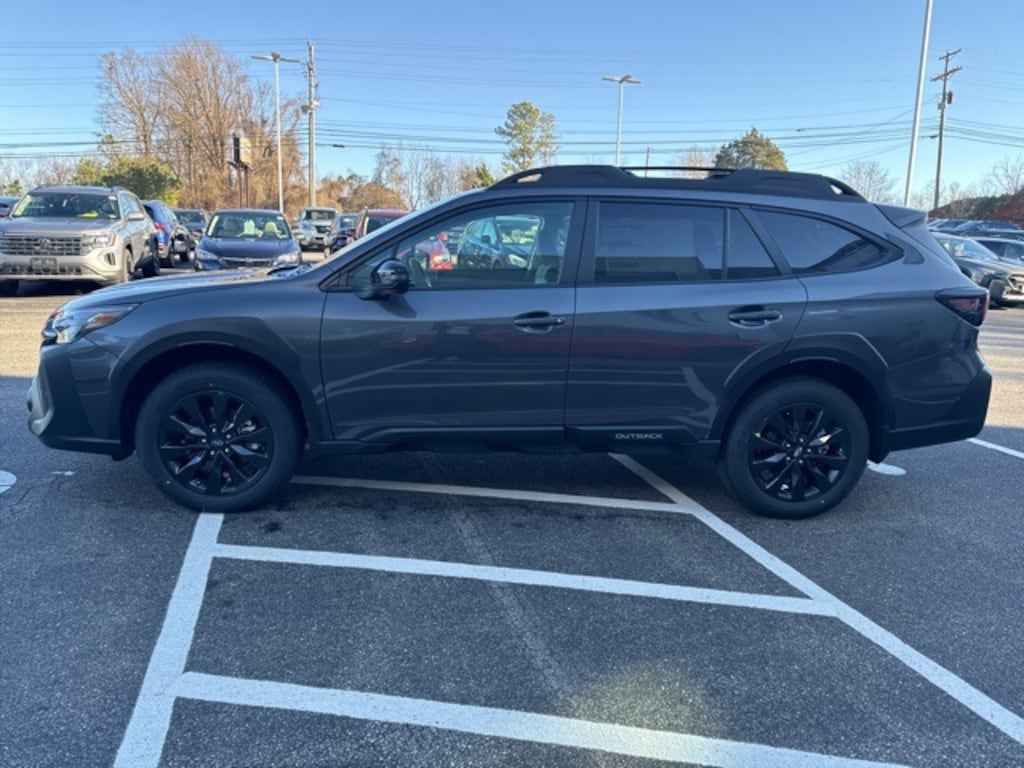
<point>829,82</point>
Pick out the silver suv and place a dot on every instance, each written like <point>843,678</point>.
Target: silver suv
<point>76,233</point>
<point>313,227</point>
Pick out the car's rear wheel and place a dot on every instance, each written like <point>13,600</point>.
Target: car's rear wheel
<point>218,437</point>
<point>796,449</point>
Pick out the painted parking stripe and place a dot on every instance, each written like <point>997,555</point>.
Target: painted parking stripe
<point>7,481</point>
<point>166,679</point>
<point>995,447</point>
<point>524,577</point>
<point>985,707</point>
<point>505,724</point>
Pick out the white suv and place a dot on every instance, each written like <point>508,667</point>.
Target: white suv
<point>76,233</point>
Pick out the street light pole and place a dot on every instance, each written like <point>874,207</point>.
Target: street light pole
<point>618,122</point>
<point>277,58</point>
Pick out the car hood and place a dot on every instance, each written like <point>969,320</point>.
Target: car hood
<point>139,291</point>
<point>231,248</point>
<point>34,225</point>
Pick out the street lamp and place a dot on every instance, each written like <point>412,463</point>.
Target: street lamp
<point>277,58</point>
<point>618,123</point>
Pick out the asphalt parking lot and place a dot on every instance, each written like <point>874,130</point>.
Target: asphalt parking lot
<point>507,610</point>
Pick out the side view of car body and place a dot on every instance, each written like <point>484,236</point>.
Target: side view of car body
<point>171,235</point>
<point>73,232</point>
<point>736,319</point>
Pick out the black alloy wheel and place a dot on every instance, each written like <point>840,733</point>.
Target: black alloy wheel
<point>217,438</point>
<point>796,450</point>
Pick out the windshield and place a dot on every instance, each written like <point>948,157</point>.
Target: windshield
<point>67,205</point>
<point>243,225</point>
<point>966,249</point>
<point>320,214</point>
<point>191,217</point>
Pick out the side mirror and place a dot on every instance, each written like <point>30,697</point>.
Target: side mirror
<point>390,277</point>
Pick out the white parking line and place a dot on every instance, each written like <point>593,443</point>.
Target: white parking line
<point>995,447</point>
<point>986,708</point>
<point>506,724</point>
<point>524,577</point>
<point>166,678</point>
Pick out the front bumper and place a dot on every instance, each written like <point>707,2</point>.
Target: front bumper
<point>100,264</point>
<point>69,401</point>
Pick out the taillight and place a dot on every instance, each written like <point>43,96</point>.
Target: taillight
<point>971,307</point>
<point>160,226</point>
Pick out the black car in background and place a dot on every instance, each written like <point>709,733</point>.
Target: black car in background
<point>246,237</point>
<point>343,230</point>
<point>194,220</point>
<point>737,319</point>
<point>1002,277</point>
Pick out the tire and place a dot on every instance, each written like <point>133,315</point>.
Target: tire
<point>8,287</point>
<point>774,460</point>
<point>218,437</point>
<point>151,266</point>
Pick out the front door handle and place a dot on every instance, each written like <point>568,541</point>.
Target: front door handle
<point>538,322</point>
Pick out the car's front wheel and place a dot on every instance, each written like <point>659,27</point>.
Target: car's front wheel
<point>218,437</point>
<point>795,449</point>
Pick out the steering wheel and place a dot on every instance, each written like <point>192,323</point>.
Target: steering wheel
<point>417,274</point>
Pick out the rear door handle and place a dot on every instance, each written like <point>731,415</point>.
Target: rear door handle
<point>754,316</point>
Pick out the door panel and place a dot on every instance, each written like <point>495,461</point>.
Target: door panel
<point>444,361</point>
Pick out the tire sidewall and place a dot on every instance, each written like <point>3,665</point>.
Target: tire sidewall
<point>734,463</point>
<point>238,380</point>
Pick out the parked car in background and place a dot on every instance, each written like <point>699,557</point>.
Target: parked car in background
<point>343,230</point>
<point>246,237</point>
<point>74,232</point>
<point>777,323</point>
<point>313,227</point>
<point>372,219</point>
<point>6,202</point>
<point>1011,250</point>
<point>172,236</point>
<point>194,220</point>
<point>1003,280</point>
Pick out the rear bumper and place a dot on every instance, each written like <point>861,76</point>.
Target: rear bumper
<point>964,418</point>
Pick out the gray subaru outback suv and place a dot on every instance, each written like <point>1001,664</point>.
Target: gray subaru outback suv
<point>76,233</point>
<point>776,323</point>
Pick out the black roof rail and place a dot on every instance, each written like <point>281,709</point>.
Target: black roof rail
<point>751,180</point>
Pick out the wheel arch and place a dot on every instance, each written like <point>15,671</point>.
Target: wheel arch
<point>845,373</point>
<point>145,377</point>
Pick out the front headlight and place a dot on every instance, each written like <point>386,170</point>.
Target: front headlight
<point>64,325</point>
<point>288,258</point>
<point>102,240</point>
<point>201,254</point>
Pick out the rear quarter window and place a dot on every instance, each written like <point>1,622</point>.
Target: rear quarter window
<point>812,245</point>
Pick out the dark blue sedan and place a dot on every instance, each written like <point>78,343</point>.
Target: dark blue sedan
<point>246,237</point>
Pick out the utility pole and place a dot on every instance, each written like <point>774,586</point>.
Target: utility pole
<point>917,101</point>
<point>311,108</point>
<point>945,101</point>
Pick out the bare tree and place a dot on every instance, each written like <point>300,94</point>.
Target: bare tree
<point>184,105</point>
<point>870,179</point>
<point>696,157</point>
<point>1007,176</point>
